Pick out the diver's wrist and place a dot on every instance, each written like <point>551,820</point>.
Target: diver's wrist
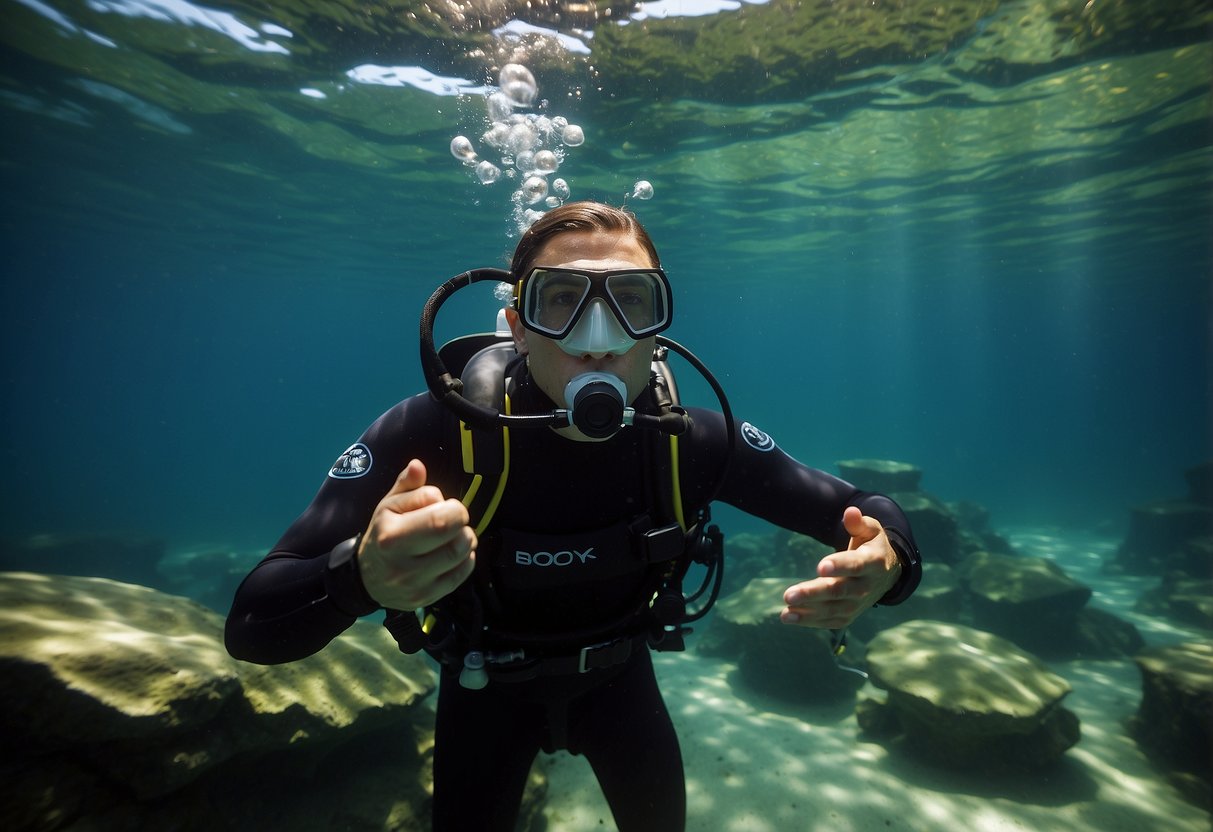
<point>911,569</point>
<point>343,581</point>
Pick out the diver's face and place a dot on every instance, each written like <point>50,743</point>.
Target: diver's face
<point>551,367</point>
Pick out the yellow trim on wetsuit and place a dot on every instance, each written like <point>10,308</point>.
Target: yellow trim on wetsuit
<point>469,463</point>
<point>676,482</point>
<point>466,446</point>
<point>491,509</point>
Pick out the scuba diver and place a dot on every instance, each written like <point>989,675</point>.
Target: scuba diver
<point>530,520</point>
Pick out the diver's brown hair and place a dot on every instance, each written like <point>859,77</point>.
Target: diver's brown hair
<point>578,216</point>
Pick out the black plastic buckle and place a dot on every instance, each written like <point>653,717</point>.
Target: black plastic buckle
<point>661,545</point>
<point>616,651</point>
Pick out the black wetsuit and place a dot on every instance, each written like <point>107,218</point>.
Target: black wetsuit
<point>293,603</point>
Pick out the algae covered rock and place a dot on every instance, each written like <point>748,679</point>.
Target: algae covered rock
<point>967,699</point>
<point>1159,533</point>
<point>118,697</point>
<point>939,597</point>
<point>1175,717</point>
<point>883,475</point>
<point>1174,721</point>
<point>792,663</point>
<point>935,528</point>
<point>1185,600</point>
<point>1034,603</point>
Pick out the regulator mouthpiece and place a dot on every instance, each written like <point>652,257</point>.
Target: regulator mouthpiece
<point>596,402</point>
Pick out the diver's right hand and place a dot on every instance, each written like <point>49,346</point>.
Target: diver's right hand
<point>418,546</point>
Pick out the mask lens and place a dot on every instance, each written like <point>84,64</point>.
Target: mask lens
<point>640,300</point>
<point>553,300</point>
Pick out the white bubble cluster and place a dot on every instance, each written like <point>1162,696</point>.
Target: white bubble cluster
<point>527,146</point>
<point>522,144</point>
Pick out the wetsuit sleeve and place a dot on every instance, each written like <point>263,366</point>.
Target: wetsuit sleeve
<point>764,481</point>
<point>307,590</point>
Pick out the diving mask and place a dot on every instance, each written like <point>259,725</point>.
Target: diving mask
<point>595,311</point>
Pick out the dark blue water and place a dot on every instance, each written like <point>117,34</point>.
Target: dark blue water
<point>205,308</point>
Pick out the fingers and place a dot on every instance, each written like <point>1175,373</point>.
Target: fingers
<point>412,477</point>
<point>832,614</point>
<point>421,560</point>
<point>847,582</point>
<point>416,524</point>
<point>818,591</point>
<point>418,546</point>
<point>409,492</point>
<point>860,527</point>
<point>413,569</point>
<point>824,602</point>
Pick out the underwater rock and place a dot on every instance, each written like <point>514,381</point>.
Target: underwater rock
<point>1019,586</point>
<point>975,532</point>
<point>1034,603</point>
<point>1158,535</point>
<point>769,555</point>
<point>1097,635</point>
<point>939,597</point>
<point>966,699</point>
<point>1182,599</point>
<point>120,697</point>
<point>1173,721</point>
<point>935,528</point>
<point>883,475</point>
<point>792,663</point>
<point>750,555</point>
<point>799,556</point>
<point>209,576</point>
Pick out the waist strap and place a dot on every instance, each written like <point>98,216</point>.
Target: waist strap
<point>520,665</point>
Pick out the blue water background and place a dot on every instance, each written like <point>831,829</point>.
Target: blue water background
<point>187,349</point>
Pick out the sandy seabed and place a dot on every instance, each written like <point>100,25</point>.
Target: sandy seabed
<point>757,765</point>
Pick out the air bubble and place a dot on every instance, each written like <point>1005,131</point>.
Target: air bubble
<point>499,106</point>
<point>497,136</point>
<point>461,149</point>
<point>525,161</point>
<point>487,173</point>
<point>573,135</point>
<point>522,137</point>
<point>546,161</point>
<point>517,82</point>
<point>643,189</point>
<point>534,189</point>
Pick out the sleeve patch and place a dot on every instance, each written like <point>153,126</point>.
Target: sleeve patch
<point>354,463</point>
<point>756,439</point>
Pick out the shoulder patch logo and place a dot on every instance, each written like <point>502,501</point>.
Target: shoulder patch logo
<point>756,439</point>
<point>352,464</point>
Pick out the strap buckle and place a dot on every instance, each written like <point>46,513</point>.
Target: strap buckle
<point>609,653</point>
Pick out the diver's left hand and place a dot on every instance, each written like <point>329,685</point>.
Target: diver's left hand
<point>848,582</point>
